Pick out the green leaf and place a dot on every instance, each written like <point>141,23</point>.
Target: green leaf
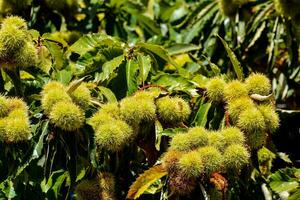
<point>91,61</point>
<point>155,187</point>
<point>131,72</point>
<point>90,41</point>
<point>176,83</point>
<point>281,186</point>
<point>158,130</point>
<point>285,180</point>
<point>109,95</point>
<point>171,132</point>
<point>241,32</point>
<point>7,187</point>
<point>235,62</point>
<point>74,85</point>
<point>210,45</point>
<point>263,14</point>
<point>34,33</point>
<point>64,76</point>
<point>37,151</point>
<point>144,68</point>
<point>39,146</point>
<point>295,195</point>
<point>214,68</point>
<point>273,46</point>
<point>168,11</point>
<point>181,48</point>
<point>54,39</point>
<point>200,80</point>
<point>159,51</point>
<point>145,180</point>
<point>286,174</point>
<point>150,11</point>
<point>10,191</point>
<point>148,24</point>
<point>204,16</point>
<point>201,115</point>
<point>110,66</point>
<point>81,174</point>
<point>257,34</point>
<point>59,181</point>
<point>46,185</point>
<point>57,54</point>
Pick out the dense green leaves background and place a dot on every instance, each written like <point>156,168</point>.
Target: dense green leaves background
<point>125,45</point>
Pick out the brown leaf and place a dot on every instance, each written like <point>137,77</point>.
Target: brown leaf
<point>219,181</point>
<point>145,180</point>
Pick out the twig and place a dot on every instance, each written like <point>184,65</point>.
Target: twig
<point>153,86</point>
<point>203,192</point>
<point>227,119</point>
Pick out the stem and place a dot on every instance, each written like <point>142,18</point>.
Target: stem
<point>72,164</point>
<point>204,193</point>
<point>153,86</point>
<point>16,79</point>
<point>227,119</point>
<point>182,125</point>
<point>147,144</point>
<point>1,82</point>
<point>117,162</point>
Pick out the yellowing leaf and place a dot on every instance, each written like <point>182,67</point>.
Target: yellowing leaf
<point>145,180</point>
<point>25,75</point>
<point>180,59</point>
<point>80,17</point>
<point>44,59</point>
